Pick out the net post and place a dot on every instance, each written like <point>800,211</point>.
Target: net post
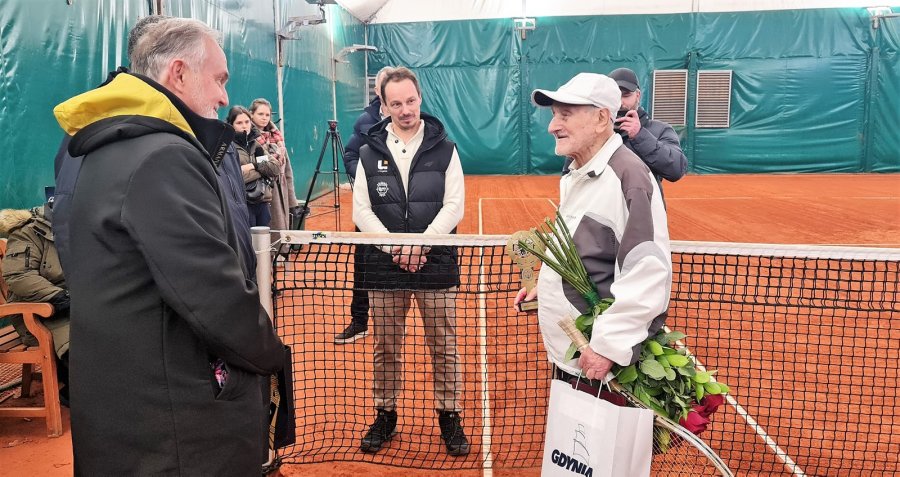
<point>262,243</point>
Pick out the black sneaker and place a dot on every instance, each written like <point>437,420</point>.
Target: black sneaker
<point>452,433</point>
<point>351,333</point>
<point>381,431</point>
<point>64,396</point>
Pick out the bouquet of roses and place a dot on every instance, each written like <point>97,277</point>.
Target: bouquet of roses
<point>665,377</point>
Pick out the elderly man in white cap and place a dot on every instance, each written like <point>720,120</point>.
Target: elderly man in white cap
<point>612,204</point>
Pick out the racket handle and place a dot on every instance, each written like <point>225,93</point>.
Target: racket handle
<point>568,326</point>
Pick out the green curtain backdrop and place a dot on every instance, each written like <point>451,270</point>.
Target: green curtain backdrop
<point>885,100</point>
<point>813,90</point>
<point>50,51</point>
<point>470,79</point>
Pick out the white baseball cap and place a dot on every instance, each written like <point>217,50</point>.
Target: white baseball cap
<point>584,89</point>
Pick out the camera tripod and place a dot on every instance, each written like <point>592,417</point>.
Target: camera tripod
<point>333,137</point>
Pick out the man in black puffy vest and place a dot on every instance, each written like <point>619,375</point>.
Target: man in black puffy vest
<point>409,180</point>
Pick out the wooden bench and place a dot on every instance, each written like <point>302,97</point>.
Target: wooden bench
<point>12,351</point>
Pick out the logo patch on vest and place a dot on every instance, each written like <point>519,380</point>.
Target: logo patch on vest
<point>381,188</point>
<point>382,165</point>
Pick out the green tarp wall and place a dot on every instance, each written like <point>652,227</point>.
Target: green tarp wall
<point>812,90</point>
<point>50,51</point>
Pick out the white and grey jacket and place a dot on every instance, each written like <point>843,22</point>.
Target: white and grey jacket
<point>614,209</point>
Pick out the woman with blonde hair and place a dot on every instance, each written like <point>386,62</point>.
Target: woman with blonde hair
<point>283,197</point>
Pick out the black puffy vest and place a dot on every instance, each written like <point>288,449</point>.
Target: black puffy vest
<point>410,211</point>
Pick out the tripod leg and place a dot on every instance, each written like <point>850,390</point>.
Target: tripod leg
<point>305,210</point>
<point>335,178</point>
<point>337,148</point>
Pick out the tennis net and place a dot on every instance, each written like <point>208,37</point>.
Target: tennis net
<point>804,336</point>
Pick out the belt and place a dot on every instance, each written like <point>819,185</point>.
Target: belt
<point>594,387</point>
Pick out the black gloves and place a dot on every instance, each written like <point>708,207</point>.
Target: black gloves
<point>60,302</point>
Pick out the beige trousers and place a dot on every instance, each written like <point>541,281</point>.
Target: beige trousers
<point>388,310</point>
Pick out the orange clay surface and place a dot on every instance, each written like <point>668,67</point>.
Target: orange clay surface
<point>848,209</point>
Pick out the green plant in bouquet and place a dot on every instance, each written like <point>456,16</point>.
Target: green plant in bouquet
<point>666,379</point>
<point>559,253</point>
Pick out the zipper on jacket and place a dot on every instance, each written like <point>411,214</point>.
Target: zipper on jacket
<point>422,149</point>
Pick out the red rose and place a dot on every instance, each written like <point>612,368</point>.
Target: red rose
<point>697,420</point>
<point>694,422</point>
<point>709,404</point>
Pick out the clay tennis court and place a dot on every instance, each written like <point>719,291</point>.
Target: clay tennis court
<point>859,210</point>
<point>783,411</point>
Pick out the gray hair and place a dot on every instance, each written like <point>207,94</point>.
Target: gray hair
<point>379,78</point>
<point>382,72</point>
<point>174,38</point>
<point>139,28</point>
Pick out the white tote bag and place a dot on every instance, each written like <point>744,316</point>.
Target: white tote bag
<point>591,437</point>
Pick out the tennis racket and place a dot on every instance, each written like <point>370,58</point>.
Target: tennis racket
<point>687,455</point>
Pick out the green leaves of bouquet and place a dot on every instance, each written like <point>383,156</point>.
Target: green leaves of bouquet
<point>666,379</point>
<point>563,258</point>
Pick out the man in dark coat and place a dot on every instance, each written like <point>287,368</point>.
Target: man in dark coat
<point>66,167</point>
<point>370,116</point>
<point>231,182</point>
<point>655,142</point>
<point>168,338</point>
<point>359,305</point>
<point>410,180</point>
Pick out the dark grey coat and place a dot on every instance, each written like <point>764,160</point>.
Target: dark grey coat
<point>158,293</point>
<point>658,146</point>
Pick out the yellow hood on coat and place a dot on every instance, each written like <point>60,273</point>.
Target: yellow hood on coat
<point>125,95</point>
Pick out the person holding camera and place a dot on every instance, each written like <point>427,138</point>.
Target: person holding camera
<point>258,171</point>
<point>655,142</point>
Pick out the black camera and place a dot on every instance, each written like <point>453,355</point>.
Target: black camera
<point>616,128</point>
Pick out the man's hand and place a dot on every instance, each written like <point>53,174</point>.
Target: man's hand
<point>409,257</point>
<point>630,123</point>
<point>593,365</point>
<point>524,295</point>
